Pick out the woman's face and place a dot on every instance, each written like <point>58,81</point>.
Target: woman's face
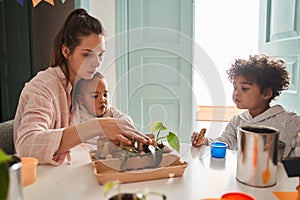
<point>86,58</point>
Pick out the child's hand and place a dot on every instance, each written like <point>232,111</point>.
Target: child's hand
<point>198,139</point>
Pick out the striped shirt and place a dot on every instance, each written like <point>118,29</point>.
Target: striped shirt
<point>42,114</point>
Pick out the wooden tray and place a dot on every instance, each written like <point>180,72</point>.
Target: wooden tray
<point>109,169</point>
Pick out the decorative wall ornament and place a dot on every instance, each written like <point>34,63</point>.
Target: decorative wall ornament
<point>36,2</point>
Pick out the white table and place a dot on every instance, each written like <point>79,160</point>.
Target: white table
<point>203,178</point>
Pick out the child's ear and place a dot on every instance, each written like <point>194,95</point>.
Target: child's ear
<point>268,93</point>
<point>79,99</point>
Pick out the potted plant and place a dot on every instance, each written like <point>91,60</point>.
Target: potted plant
<point>4,174</point>
<point>140,195</point>
<point>157,147</point>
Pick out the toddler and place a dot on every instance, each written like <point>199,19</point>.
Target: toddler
<point>93,99</point>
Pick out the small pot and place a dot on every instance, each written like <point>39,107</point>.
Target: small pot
<point>136,196</point>
<point>28,170</point>
<point>218,149</point>
<point>128,196</point>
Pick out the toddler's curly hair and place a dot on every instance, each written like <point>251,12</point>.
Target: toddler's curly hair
<point>265,71</point>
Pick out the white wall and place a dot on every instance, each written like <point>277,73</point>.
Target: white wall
<point>104,10</point>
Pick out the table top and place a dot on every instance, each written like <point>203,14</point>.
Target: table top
<point>204,177</point>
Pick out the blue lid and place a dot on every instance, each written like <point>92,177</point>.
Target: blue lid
<point>219,144</point>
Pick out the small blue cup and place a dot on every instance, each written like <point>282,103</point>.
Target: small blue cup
<point>218,149</point>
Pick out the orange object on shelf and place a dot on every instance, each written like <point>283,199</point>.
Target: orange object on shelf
<point>28,170</point>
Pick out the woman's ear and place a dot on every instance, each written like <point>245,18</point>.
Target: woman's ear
<point>65,51</point>
<point>268,93</point>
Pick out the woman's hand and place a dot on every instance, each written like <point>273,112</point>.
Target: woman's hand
<point>122,130</point>
<point>198,139</point>
<point>59,158</point>
<point>115,129</point>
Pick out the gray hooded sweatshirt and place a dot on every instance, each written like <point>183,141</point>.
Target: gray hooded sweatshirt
<point>287,123</point>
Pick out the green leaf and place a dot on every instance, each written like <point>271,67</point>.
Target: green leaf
<point>4,157</point>
<point>173,141</point>
<point>157,126</point>
<point>108,186</point>
<point>4,174</point>
<point>4,180</point>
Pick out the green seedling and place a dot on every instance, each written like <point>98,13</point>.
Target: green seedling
<point>171,137</point>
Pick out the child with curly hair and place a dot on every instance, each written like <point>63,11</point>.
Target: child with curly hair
<point>256,82</point>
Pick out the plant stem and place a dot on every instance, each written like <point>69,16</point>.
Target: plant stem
<point>158,134</point>
<point>160,139</point>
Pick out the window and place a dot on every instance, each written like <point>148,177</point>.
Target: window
<point>225,30</point>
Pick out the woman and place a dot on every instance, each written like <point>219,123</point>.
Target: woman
<point>46,124</point>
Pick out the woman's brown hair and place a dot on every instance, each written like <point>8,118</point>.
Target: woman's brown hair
<point>78,24</point>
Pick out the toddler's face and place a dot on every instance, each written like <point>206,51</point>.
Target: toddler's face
<point>247,95</point>
<point>95,97</point>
